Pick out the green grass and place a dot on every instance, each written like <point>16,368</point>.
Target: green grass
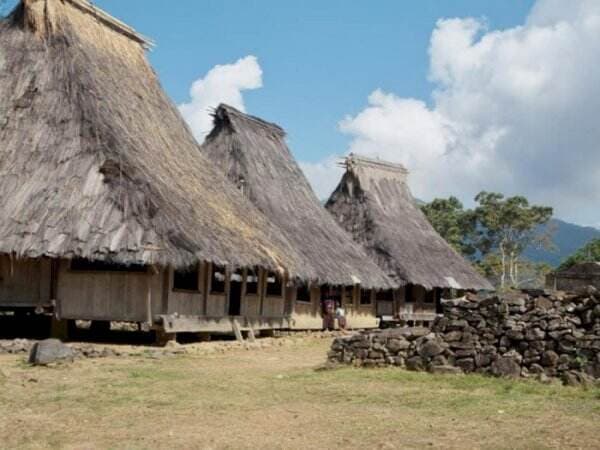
<point>274,398</point>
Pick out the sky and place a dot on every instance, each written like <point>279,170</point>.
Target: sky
<point>470,95</point>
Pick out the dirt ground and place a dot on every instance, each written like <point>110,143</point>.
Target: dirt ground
<point>278,398</point>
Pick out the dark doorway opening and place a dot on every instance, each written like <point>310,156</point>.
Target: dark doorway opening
<point>438,301</point>
<point>235,295</point>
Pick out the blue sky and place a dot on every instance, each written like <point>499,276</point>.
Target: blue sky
<point>320,59</point>
<point>470,95</point>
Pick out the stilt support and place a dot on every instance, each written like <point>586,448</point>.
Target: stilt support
<point>59,329</point>
<point>162,338</point>
<point>250,335</point>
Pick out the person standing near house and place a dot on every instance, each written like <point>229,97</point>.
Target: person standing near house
<point>340,315</point>
<point>328,311</point>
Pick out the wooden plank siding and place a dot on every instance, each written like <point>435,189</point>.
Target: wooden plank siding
<point>184,302</point>
<point>140,296</point>
<point>118,296</point>
<point>24,282</point>
<point>418,306</point>
<point>307,316</point>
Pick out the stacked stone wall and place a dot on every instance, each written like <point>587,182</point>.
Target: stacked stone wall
<point>539,334</point>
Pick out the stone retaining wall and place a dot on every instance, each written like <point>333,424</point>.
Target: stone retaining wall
<point>538,334</point>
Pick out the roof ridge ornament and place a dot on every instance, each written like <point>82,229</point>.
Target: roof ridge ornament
<point>355,160</point>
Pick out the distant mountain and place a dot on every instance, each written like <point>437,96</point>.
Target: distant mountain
<point>567,238</point>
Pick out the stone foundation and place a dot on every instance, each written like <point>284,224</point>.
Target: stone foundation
<point>539,334</point>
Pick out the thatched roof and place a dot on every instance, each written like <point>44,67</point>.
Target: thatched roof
<point>374,203</point>
<point>96,161</point>
<point>254,155</point>
<point>582,269</point>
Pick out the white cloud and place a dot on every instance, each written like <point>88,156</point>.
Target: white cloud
<point>513,110</point>
<point>221,84</point>
<point>323,175</point>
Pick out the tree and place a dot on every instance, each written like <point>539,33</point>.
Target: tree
<point>508,226</point>
<point>588,253</point>
<point>455,224</point>
<point>494,234</point>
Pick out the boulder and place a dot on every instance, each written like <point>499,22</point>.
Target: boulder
<point>506,366</point>
<point>575,378</point>
<point>50,351</point>
<point>452,336</point>
<point>397,344</point>
<point>483,360</point>
<point>466,364</point>
<point>544,303</point>
<point>415,363</point>
<point>431,349</point>
<point>535,334</point>
<point>550,359</point>
<point>515,334</point>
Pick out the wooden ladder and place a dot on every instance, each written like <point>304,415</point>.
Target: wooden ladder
<point>237,330</point>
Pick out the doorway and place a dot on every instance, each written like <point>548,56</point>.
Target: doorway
<point>235,295</point>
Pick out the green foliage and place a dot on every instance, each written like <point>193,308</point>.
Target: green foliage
<point>509,224</point>
<point>589,252</point>
<point>495,233</point>
<point>453,222</point>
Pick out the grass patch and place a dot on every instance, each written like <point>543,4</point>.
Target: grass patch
<point>274,398</point>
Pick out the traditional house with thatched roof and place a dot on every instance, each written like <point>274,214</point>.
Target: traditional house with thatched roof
<point>109,211</point>
<point>254,155</point>
<point>575,278</point>
<point>373,203</point>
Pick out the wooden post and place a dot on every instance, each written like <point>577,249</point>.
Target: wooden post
<point>227,290</point>
<point>262,275</point>
<point>152,272</point>
<point>59,328</point>
<point>207,285</point>
<point>243,301</point>
<point>162,337</point>
<point>251,336</point>
<point>166,289</point>
<point>149,299</point>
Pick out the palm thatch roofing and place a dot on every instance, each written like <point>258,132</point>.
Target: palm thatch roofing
<point>374,203</point>
<point>254,155</point>
<point>96,161</point>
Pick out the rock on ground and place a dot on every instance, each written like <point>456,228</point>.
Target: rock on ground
<point>50,351</point>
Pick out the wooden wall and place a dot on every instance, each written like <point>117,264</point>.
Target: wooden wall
<point>273,306</point>
<point>132,296</point>
<point>123,296</point>
<point>361,316</point>
<point>183,302</point>
<point>307,316</point>
<point>24,282</point>
<point>118,296</point>
<point>418,305</point>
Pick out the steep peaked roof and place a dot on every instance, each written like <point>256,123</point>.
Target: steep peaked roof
<point>96,161</point>
<point>374,203</point>
<point>254,155</point>
<point>586,268</point>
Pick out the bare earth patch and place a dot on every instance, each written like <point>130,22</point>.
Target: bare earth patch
<point>274,398</point>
